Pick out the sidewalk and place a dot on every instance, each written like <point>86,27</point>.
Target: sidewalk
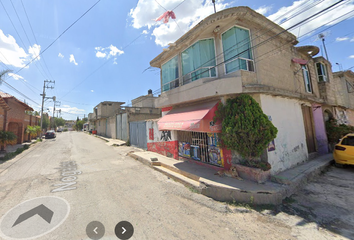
<point>111,141</point>
<point>203,180</point>
<point>13,148</point>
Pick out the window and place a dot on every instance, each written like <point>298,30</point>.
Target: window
<point>348,141</point>
<point>322,72</point>
<point>198,61</point>
<point>307,79</point>
<point>170,74</point>
<point>236,45</point>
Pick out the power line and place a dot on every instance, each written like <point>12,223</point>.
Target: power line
<point>268,40</point>
<point>59,36</point>
<point>14,89</point>
<point>29,22</point>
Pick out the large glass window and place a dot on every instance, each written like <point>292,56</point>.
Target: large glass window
<point>237,50</point>
<point>170,74</point>
<point>322,72</point>
<point>198,61</point>
<point>307,78</point>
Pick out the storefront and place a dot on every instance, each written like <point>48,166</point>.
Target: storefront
<point>197,134</point>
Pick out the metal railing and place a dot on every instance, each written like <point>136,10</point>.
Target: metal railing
<point>170,85</point>
<point>243,62</point>
<point>203,72</point>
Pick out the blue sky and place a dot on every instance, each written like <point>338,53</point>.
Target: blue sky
<point>102,57</point>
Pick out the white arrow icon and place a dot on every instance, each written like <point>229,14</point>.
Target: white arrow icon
<point>95,230</point>
<point>123,230</point>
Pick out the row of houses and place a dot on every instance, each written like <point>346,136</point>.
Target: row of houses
<point>13,117</point>
<point>235,51</point>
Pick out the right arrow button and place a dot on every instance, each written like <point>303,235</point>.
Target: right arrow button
<point>124,230</point>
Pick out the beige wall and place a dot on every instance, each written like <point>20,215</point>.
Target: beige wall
<point>274,70</point>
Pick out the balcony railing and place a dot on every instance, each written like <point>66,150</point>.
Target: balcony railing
<point>238,64</point>
<point>170,85</point>
<point>203,72</point>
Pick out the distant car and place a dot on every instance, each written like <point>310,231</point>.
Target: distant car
<point>50,134</point>
<point>59,130</point>
<point>344,150</point>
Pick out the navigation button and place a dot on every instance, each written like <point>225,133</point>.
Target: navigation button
<point>124,230</point>
<point>95,230</point>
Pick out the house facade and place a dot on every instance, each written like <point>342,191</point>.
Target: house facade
<point>239,51</point>
<point>13,116</point>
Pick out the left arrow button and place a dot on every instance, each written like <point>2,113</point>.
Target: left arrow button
<point>41,210</point>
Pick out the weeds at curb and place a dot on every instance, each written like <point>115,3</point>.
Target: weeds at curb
<point>11,155</point>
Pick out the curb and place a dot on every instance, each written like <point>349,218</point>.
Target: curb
<point>214,191</point>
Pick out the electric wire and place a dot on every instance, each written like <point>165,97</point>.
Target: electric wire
<point>273,37</point>
<point>59,36</point>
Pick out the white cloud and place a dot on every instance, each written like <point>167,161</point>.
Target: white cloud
<point>100,54</point>
<point>108,52</point>
<point>263,10</point>
<point>115,61</point>
<point>12,54</point>
<point>34,51</point>
<point>72,59</point>
<point>188,14</point>
<point>145,32</point>
<point>341,39</point>
<point>351,56</point>
<point>352,40</point>
<point>68,109</point>
<point>60,55</point>
<point>328,18</point>
<point>92,91</point>
<point>15,76</point>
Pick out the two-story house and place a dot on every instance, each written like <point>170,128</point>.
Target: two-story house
<point>237,51</point>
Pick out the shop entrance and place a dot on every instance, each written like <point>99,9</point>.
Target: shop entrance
<point>200,146</point>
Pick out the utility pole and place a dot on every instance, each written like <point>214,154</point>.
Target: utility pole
<point>214,6</point>
<point>45,85</point>
<point>54,100</point>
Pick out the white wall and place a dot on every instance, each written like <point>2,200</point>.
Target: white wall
<point>290,143</point>
<point>157,133</point>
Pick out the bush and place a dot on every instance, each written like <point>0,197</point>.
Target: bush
<point>336,131</point>
<point>65,130</point>
<point>245,128</point>
<point>7,137</point>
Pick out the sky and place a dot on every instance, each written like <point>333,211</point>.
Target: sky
<point>100,50</point>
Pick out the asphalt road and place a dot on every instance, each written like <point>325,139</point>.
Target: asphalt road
<point>56,188</point>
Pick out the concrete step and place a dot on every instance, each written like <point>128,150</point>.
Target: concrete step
<point>186,181</point>
<point>184,173</point>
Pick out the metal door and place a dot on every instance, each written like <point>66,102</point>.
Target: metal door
<point>119,126</point>
<point>309,129</point>
<point>124,127</point>
<point>137,134</point>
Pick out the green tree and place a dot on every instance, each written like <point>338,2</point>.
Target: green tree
<point>45,122</point>
<point>32,131</point>
<point>59,122</point>
<point>245,128</point>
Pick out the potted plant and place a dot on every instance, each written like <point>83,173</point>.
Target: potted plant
<point>247,130</point>
<point>7,138</point>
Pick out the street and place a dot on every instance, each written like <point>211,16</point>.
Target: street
<point>88,180</point>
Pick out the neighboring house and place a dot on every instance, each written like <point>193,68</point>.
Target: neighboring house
<point>69,124</point>
<point>4,108</point>
<point>231,52</point>
<point>112,120</point>
<point>15,119</point>
<point>103,111</point>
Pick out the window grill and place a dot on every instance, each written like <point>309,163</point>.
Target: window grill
<point>195,145</point>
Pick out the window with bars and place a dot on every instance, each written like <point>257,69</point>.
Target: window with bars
<point>322,72</point>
